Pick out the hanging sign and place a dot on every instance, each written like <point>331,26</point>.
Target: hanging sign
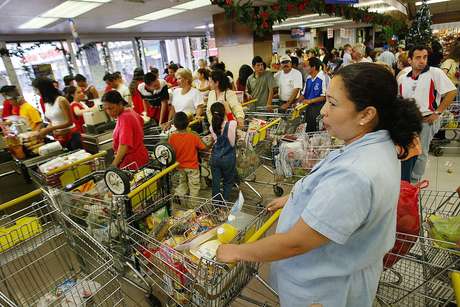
<point>330,33</point>
<point>341,1</point>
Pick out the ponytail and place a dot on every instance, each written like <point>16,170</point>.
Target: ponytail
<point>217,115</point>
<point>370,84</point>
<point>404,122</point>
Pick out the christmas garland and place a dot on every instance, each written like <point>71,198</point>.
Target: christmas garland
<point>262,18</point>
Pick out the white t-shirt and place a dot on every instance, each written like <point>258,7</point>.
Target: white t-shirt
<point>346,58</point>
<point>288,82</point>
<point>125,93</point>
<point>187,103</point>
<point>427,89</point>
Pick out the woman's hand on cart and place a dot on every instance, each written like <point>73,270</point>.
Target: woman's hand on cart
<point>227,253</point>
<point>45,131</point>
<point>277,203</point>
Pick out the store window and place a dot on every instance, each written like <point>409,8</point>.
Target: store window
<point>153,55</point>
<point>38,58</point>
<point>123,58</point>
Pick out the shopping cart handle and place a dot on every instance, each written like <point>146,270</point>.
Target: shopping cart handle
<point>155,178</point>
<point>244,104</point>
<point>20,199</point>
<point>455,277</point>
<point>83,180</point>
<point>266,226</point>
<point>64,167</point>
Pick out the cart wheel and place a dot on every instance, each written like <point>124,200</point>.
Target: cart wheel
<point>164,154</point>
<point>437,152</point>
<point>278,190</point>
<point>117,181</point>
<point>208,181</point>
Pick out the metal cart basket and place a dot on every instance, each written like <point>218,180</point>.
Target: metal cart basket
<point>47,259</point>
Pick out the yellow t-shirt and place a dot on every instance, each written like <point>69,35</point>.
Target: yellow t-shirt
<point>452,67</point>
<point>31,114</point>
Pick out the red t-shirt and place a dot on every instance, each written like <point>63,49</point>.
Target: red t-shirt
<point>9,109</point>
<point>186,146</point>
<point>129,131</point>
<point>77,120</point>
<point>107,89</point>
<point>138,102</point>
<point>42,104</point>
<point>171,80</point>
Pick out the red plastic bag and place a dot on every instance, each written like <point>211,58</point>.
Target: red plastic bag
<point>407,221</point>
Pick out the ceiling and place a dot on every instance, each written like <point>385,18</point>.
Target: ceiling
<point>96,20</point>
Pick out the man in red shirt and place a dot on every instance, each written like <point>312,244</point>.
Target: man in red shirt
<point>186,146</point>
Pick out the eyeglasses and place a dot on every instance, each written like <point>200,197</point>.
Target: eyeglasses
<point>285,62</point>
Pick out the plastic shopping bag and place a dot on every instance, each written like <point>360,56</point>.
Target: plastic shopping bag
<point>407,221</point>
<point>446,230</point>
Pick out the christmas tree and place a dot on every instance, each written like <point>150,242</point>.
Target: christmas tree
<point>420,32</point>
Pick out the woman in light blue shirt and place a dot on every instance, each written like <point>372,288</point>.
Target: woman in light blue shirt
<point>338,222</point>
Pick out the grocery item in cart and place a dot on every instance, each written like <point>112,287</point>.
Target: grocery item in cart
<point>445,229</point>
<point>63,161</point>
<point>70,293</point>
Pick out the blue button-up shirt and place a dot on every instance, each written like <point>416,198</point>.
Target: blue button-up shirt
<point>350,198</point>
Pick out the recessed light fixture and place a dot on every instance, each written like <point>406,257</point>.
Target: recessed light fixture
<point>418,3</point>
<point>71,9</point>
<point>37,23</point>
<point>191,5</point>
<point>127,24</point>
<point>100,1</point>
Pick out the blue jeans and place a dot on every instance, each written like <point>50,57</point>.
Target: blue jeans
<point>406,168</point>
<point>223,169</point>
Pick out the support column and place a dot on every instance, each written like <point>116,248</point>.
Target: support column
<point>73,58</point>
<point>238,44</point>
<point>10,68</point>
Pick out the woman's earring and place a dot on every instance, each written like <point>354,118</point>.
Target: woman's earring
<point>361,124</point>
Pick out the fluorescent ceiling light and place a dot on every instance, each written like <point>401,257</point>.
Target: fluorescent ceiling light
<point>383,9</point>
<point>37,23</point>
<point>71,9</point>
<point>127,24</point>
<point>191,5</point>
<point>211,25</point>
<point>306,22</point>
<point>302,17</point>
<point>159,14</point>
<point>430,2</point>
<point>369,3</point>
<point>100,1</point>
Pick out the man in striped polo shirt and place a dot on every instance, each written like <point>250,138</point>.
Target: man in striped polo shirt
<point>433,92</point>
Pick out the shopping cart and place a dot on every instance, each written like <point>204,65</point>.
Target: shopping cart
<point>450,124</point>
<point>172,258</point>
<point>68,171</point>
<point>424,271</point>
<point>295,156</point>
<point>48,260</point>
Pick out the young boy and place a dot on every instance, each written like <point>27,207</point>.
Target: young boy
<point>186,145</point>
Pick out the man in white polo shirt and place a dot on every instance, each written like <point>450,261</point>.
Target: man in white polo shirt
<point>289,83</point>
<point>427,85</point>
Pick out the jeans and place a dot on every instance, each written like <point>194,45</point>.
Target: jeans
<point>311,114</point>
<point>428,131</point>
<point>223,169</point>
<point>406,168</point>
